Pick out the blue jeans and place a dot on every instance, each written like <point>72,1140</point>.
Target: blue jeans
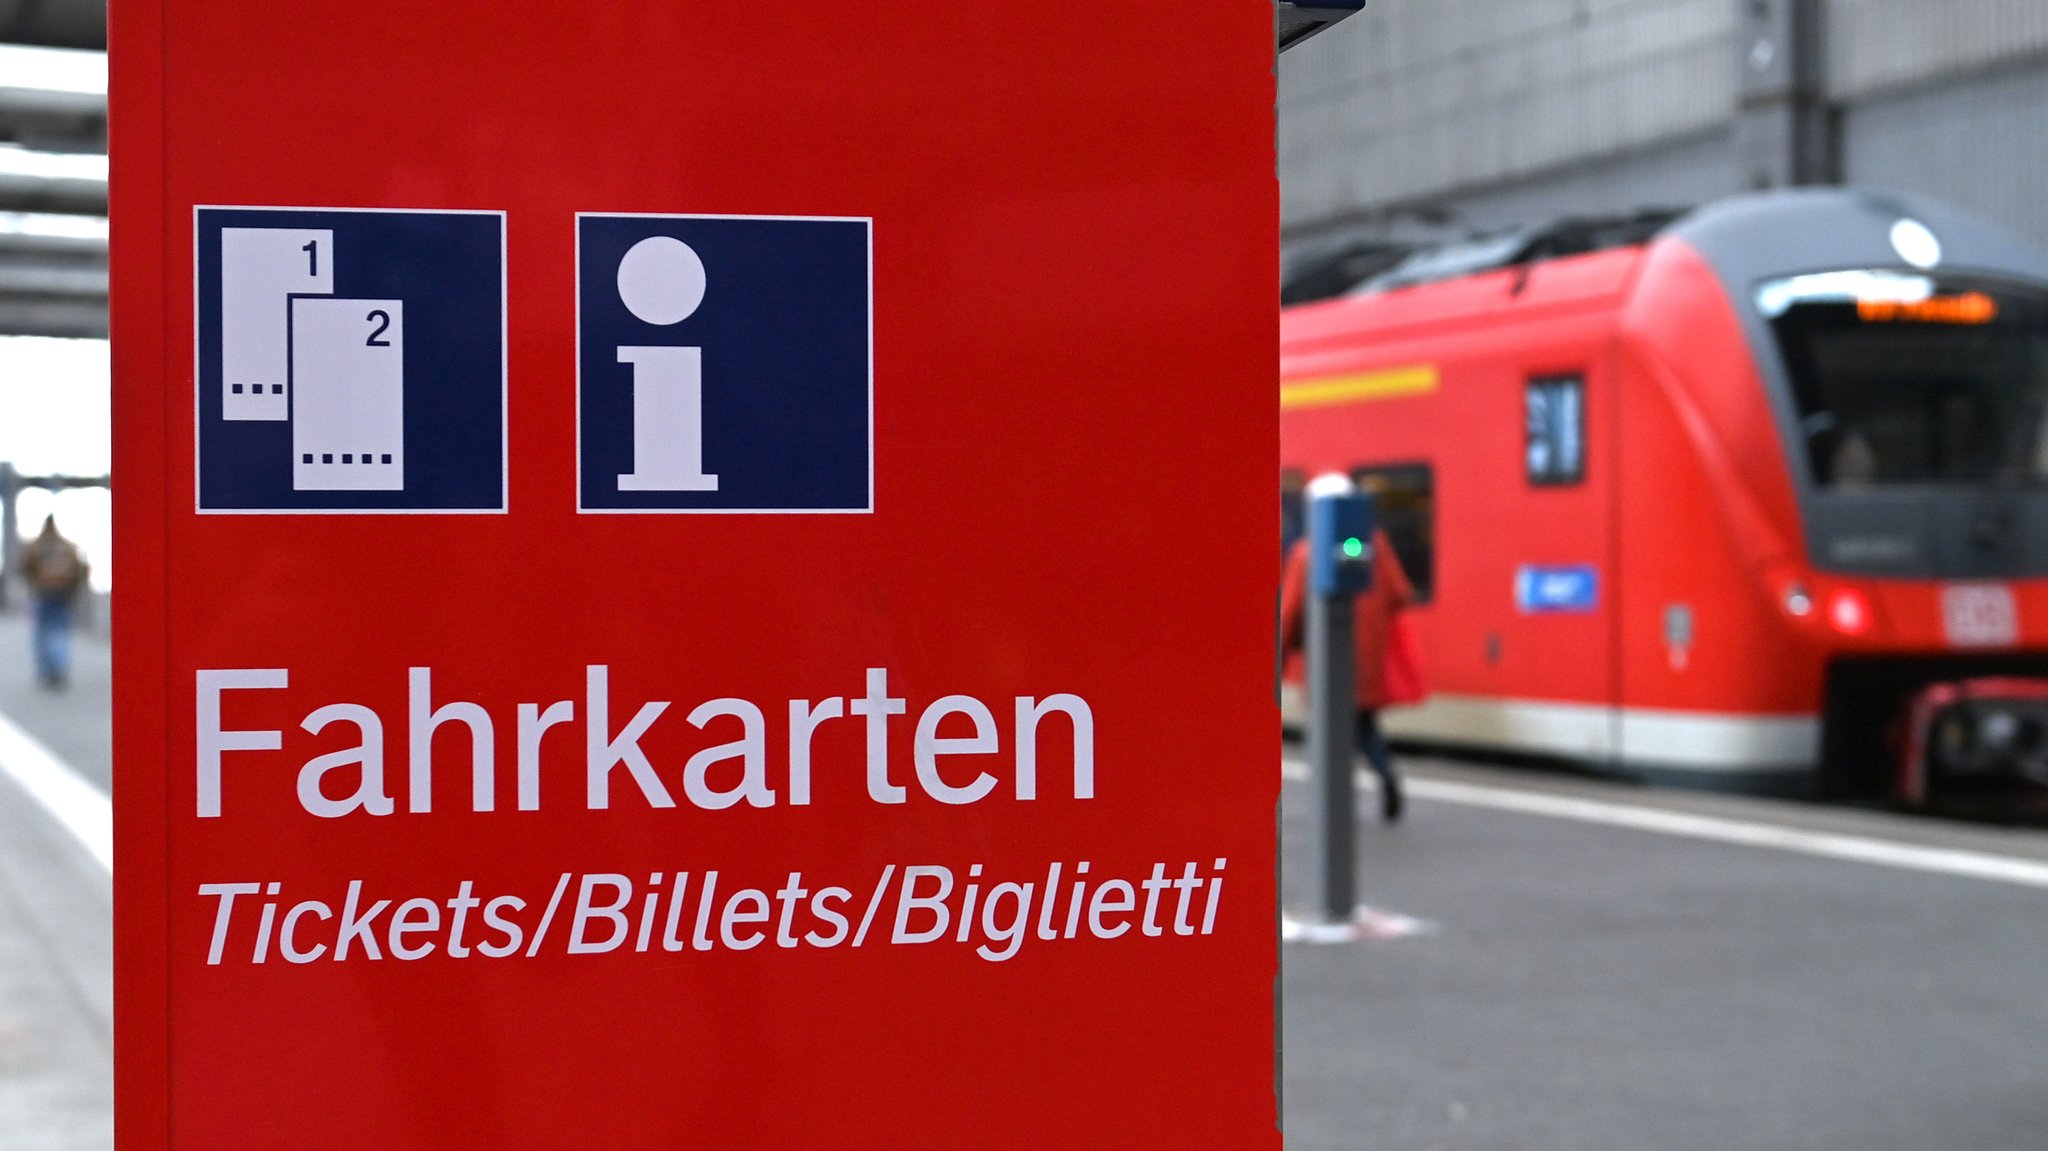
<point>53,639</point>
<point>1373,743</point>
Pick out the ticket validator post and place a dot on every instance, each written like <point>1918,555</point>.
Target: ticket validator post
<point>1340,545</point>
<point>642,619</point>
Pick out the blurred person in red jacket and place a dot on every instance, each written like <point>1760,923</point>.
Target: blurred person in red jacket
<point>1374,616</point>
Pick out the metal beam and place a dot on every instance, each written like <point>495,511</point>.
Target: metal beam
<point>62,280</point>
<point>54,120</point>
<point>51,102</point>
<point>26,245</point>
<point>78,318</point>
<point>78,195</point>
<point>55,23</point>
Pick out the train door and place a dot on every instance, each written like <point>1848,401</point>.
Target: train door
<point>1564,571</point>
<point>1505,527</point>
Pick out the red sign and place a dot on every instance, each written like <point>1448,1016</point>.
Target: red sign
<point>694,575</point>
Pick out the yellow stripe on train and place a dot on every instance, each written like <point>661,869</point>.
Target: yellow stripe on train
<point>1350,389</point>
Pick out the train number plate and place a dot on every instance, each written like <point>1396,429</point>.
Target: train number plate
<point>1979,615</point>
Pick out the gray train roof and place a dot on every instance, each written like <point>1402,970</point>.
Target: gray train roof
<point>1756,237</point>
<point>1749,238</point>
<point>1362,264</point>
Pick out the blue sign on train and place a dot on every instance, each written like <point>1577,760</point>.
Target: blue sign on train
<point>1563,588</point>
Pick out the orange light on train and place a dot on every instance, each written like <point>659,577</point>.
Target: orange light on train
<point>1849,611</point>
<point>1969,308</point>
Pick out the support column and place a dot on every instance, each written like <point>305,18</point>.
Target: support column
<point>10,530</point>
<point>1332,645</point>
<point>1785,128</point>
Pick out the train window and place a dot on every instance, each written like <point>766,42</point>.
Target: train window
<point>1293,508</point>
<point>1555,408</point>
<point>1904,378</point>
<point>1404,496</point>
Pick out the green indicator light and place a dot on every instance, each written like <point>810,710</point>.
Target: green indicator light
<point>1354,547</point>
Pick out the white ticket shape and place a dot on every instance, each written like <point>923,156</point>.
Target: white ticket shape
<point>260,270</point>
<point>348,406</point>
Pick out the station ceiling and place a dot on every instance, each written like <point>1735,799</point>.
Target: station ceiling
<point>53,188</point>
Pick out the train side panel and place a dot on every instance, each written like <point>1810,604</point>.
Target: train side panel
<point>1508,667</point>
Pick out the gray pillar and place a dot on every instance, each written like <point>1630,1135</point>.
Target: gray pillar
<point>1785,128</point>
<point>10,529</point>
<point>1332,679</point>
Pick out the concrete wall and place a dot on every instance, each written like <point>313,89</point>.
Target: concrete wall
<point>1878,45</point>
<point>1417,99</point>
<point>1670,173</point>
<point>1981,143</point>
<point>1485,112</point>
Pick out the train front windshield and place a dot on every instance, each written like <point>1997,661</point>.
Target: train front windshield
<point>1915,379</point>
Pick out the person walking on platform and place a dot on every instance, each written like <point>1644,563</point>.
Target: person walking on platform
<point>56,573</point>
<point>1375,615</point>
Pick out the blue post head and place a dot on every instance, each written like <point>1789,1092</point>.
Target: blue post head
<point>1340,523</point>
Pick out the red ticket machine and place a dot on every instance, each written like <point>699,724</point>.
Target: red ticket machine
<point>694,575</point>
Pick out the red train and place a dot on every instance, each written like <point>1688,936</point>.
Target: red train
<point>1758,499</point>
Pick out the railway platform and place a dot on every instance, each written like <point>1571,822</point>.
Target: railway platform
<point>1595,965</point>
<point>56,910</point>
<point>1561,963</point>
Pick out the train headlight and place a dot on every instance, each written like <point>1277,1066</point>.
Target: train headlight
<point>1916,243</point>
<point>1999,730</point>
<point>1798,601</point>
<point>1849,611</point>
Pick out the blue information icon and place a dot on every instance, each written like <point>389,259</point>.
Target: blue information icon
<point>350,360</point>
<point>724,364</point>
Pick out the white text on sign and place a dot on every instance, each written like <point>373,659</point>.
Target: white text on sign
<point>672,912</point>
<point>614,754</point>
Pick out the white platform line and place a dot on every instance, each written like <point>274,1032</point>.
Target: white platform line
<point>80,806</point>
<point>1718,829</point>
<point>1368,923</point>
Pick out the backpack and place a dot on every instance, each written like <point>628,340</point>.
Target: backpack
<point>57,570</point>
